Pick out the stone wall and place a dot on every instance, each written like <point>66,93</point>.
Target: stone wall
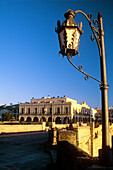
<point>28,128</point>
<point>87,138</point>
<point>21,128</point>
<point>60,126</point>
<point>84,138</point>
<point>90,140</point>
<point>69,136</point>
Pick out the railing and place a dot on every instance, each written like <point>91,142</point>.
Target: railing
<point>46,114</point>
<point>65,113</point>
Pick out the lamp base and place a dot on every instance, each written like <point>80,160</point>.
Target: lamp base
<point>106,157</point>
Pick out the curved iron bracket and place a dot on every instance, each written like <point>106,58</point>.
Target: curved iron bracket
<point>96,32</point>
<point>80,67</point>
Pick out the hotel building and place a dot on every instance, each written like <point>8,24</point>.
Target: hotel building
<point>60,110</point>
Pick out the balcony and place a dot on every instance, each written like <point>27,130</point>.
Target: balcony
<point>47,114</point>
<point>57,113</point>
<point>65,113</point>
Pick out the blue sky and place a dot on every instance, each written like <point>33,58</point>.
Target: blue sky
<point>30,65</point>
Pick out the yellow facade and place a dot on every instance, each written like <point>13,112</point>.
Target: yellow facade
<point>59,110</point>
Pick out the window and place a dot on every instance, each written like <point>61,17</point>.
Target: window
<point>58,110</point>
<point>35,110</point>
<point>28,110</point>
<point>42,110</point>
<point>66,110</point>
<point>14,110</point>
<point>50,110</point>
<point>22,111</point>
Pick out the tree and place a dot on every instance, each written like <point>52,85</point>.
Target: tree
<point>7,116</point>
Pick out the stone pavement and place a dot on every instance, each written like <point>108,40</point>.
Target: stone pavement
<point>24,151</point>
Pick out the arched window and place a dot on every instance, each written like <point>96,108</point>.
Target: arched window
<point>21,119</point>
<point>50,119</point>
<point>58,120</point>
<point>35,119</point>
<point>66,120</point>
<point>43,119</point>
<point>28,119</point>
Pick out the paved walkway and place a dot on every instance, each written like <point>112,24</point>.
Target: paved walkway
<point>24,151</point>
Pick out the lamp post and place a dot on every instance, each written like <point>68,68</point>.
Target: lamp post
<point>52,116</point>
<point>69,36</point>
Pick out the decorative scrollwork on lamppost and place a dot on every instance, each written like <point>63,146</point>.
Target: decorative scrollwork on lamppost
<point>69,37</point>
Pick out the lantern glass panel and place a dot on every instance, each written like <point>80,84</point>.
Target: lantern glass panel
<point>61,39</point>
<point>73,37</point>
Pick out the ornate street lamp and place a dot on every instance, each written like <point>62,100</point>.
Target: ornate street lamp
<point>69,36</point>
